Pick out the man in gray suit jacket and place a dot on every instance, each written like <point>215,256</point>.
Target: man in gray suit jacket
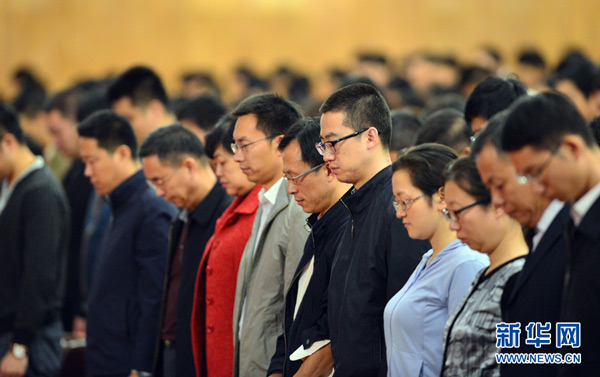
<point>278,235</point>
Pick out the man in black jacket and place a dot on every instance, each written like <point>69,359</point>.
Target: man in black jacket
<point>534,294</point>
<point>553,149</point>
<point>175,164</point>
<point>34,229</point>
<point>124,300</point>
<point>304,347</point>
<point>375,256</point>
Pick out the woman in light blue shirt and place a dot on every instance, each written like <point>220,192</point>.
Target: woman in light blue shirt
<point>414,318</point>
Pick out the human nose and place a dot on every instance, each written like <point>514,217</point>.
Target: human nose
<point>453,225</point>
<point>497,198</point>
<point>238,156</point>
<point>160,192</point>
<point>292,188</point>
<point>87,171</point>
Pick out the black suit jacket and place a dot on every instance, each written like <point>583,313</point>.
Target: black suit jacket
<point>202,226</point>
<point>534,295</point>
<point>581,302</point>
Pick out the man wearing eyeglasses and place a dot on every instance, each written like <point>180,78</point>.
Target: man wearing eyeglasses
<point>275,245</point>
<point>553,149</point>
<point>124,299</point>
<point>174,163</point>
<point>375,256</point>
<point>535,294</point>
<point>304,348</point>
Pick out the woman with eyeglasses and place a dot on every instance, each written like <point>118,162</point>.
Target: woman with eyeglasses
<point>470,333</point>
<point>414,318</point>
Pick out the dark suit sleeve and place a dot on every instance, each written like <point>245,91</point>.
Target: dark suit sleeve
<point>45,236</point>
<point>279,357</point>
<point>151,259</point>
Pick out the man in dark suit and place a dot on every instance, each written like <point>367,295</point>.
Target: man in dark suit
<point>34,234</point>
<point>124,300</point>
<point>175,164</point>
<point>534,295</point>
<point>553,149</point>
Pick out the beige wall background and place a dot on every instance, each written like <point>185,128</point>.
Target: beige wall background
<point>65,40</point>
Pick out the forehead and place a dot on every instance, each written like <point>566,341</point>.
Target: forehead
<point>454,194</point>
<point>88,145</point>
<point>332,125</point>
<point>292,155</point>
<point>124,106</point>
<point>489,163</point>
<point>524,158</point>
<point>152,162</point>
<point>402,183</point>
<point>245,128</point>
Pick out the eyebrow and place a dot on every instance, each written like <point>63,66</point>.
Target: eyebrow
<point>331,134</point>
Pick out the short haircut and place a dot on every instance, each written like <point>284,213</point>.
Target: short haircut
<point>307,133</point>
<point>490,134</point>
<point>220,135</point>
<point>464,173</point>
<point>582,73</point>
<point>110,130</point>
<point>204,110</point>
<point>532,57</point>
<point>140,84</point>
<point>66,102</point>
<point>491,96</point>
<point>9,123</point>
<point>447,127</point>
<point>363,107</point>
<point>444,101</point>
<point>92,101</point>
<point>542,121</point>
<point>425,164</point>
<point>171,144</point>
<point>30,102</point>
<point>274,113</point>
<point>405,125</point>
<point>595,127</point>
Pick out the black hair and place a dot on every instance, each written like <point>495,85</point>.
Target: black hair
<point>491,96</point>
<point>66,102</point>
<point>204,111</point>
<point>171,144</point>
<point>464,173</point>
<point>363,107</point>
<point>140,84</point>
<point>92,101</point>
<point>9,123</point>
<point>581,72</point>
<point>532,57</point>
<point>306,132</point>
<point>490,134</point>
<point>407,94</point>
<point>110,130</point>
<point>220,135</point>
<point>30,101</point>
<point>447,127</point>
<point>202,78</point>
<point>541,121</point>
<point>444,101</point>
<point>275,114</point>
<point>425,164</point>
<point>595,127</point>
<point>405,125</point>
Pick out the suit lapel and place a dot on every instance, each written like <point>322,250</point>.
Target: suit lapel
<point>551,236</point>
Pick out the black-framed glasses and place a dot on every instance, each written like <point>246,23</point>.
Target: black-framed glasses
<point>404,204</point>
<point>243,148</point>
<point>329,146</point>
<point>295,179</point>
<point>453,215</point>
<point>532,177</point>
<point>160,182</point>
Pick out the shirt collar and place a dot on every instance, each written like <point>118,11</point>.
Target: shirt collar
<point>582,206</point>
<point>269,196</point>
<point>548,216</point>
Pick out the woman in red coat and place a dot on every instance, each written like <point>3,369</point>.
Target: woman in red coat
<point>212,317</point>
